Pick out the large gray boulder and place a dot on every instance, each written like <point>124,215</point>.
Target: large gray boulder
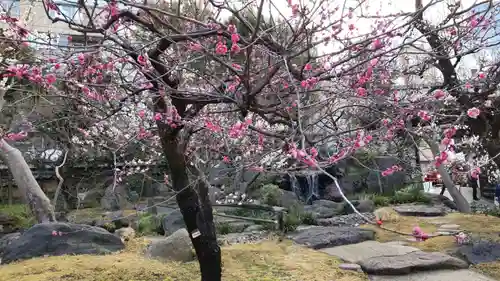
<point>115,198</point>
<point>172,222</point>
<point>324,237</point>
<point>6,239</point>
<point>411,262</point>
<point>176,247</point>
<point>322,209</point>
<point>288,199</point>
<point>363,206</point>
<point>57,239</point>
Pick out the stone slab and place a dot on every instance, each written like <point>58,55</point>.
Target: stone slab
<point>419,210</point>
<point>440,232</point>
<point>350,266</point>
<point>481,252</point>
<point>324,237</point>
<point>436,275</point>
<point>450,226</point>
<point>411,262</point>
<point>354,253</point>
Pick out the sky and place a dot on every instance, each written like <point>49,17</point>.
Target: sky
<point>381,8</point>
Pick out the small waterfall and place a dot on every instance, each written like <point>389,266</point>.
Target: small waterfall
<point>312,188</point>
<point>295,186</point>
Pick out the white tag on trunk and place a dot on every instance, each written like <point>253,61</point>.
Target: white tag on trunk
<point>195,234</point>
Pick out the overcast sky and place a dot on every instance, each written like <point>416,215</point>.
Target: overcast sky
<point>374,8</point>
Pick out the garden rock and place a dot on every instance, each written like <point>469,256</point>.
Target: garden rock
<point>125,233</point>
<point>115,198</point>
<point>363,206</point>
<point>255,227</point>
<point>448,229</point>
<point>8,223</point>
<point>355,253</point>
<point>176,247</point>
<point>411,262</point>
<point>332,193</point>
<point>419,210</point>
<point>324,209</point>
<point>90,199</point>
<point>346,220</point>
<point>173,222</point>
<point>44,239</point>
<point>435,275</point>
<point>437,199</point>
<point>323,237</point>
<point>288,199</point>
<point>481,252</point>
<point>350,266</point>
<point>109,220</point>
<point>7,239</point>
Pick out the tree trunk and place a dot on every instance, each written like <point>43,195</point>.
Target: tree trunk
<point>462,204</point>
<point>10,192</point>
<point>196,210</point>
<point>26,182</point>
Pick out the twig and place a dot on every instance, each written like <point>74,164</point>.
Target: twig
<point>60,178</point>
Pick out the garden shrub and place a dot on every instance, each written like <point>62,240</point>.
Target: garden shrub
<point>408,195</point>
<point>21,213</point>
<point>223,228</point>
<point>149,224</point>
<point>381,201</point>
<point>270,194</point>
<point>297,216</point>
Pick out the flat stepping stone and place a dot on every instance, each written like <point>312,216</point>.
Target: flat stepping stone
<point>419,210</point>
<point>324,237</point>
<point>355,253</point>
<point>350,266</point>
<point>447,229</point>
<point>411,262</point>
<point>449,226</point>
<point>436,275</point>
<point>448,233</point>
<point>481,252</point>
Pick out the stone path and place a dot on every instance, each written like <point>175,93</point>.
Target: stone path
<point>447,229</point>
<point>435,275</point>
<point>391,261</point>
<point>419,210</point>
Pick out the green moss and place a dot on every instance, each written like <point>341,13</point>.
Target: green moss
<point>149,224</point>
<point>297,216</point>
<point>410,195</point>
<point>21,213</point>
<point>478,226</point>
<point>381,201</point>
<point>266,261</point>
<point>270,194</point>
<point>223,228</point>
<point>109,226</point>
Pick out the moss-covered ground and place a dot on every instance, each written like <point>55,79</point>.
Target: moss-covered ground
<point>266,261</point>
<point>478,226</point>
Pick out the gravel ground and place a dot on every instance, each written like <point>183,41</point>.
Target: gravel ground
<point>482,206</point>
<point>346,220</point>
<point>244,237</point>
